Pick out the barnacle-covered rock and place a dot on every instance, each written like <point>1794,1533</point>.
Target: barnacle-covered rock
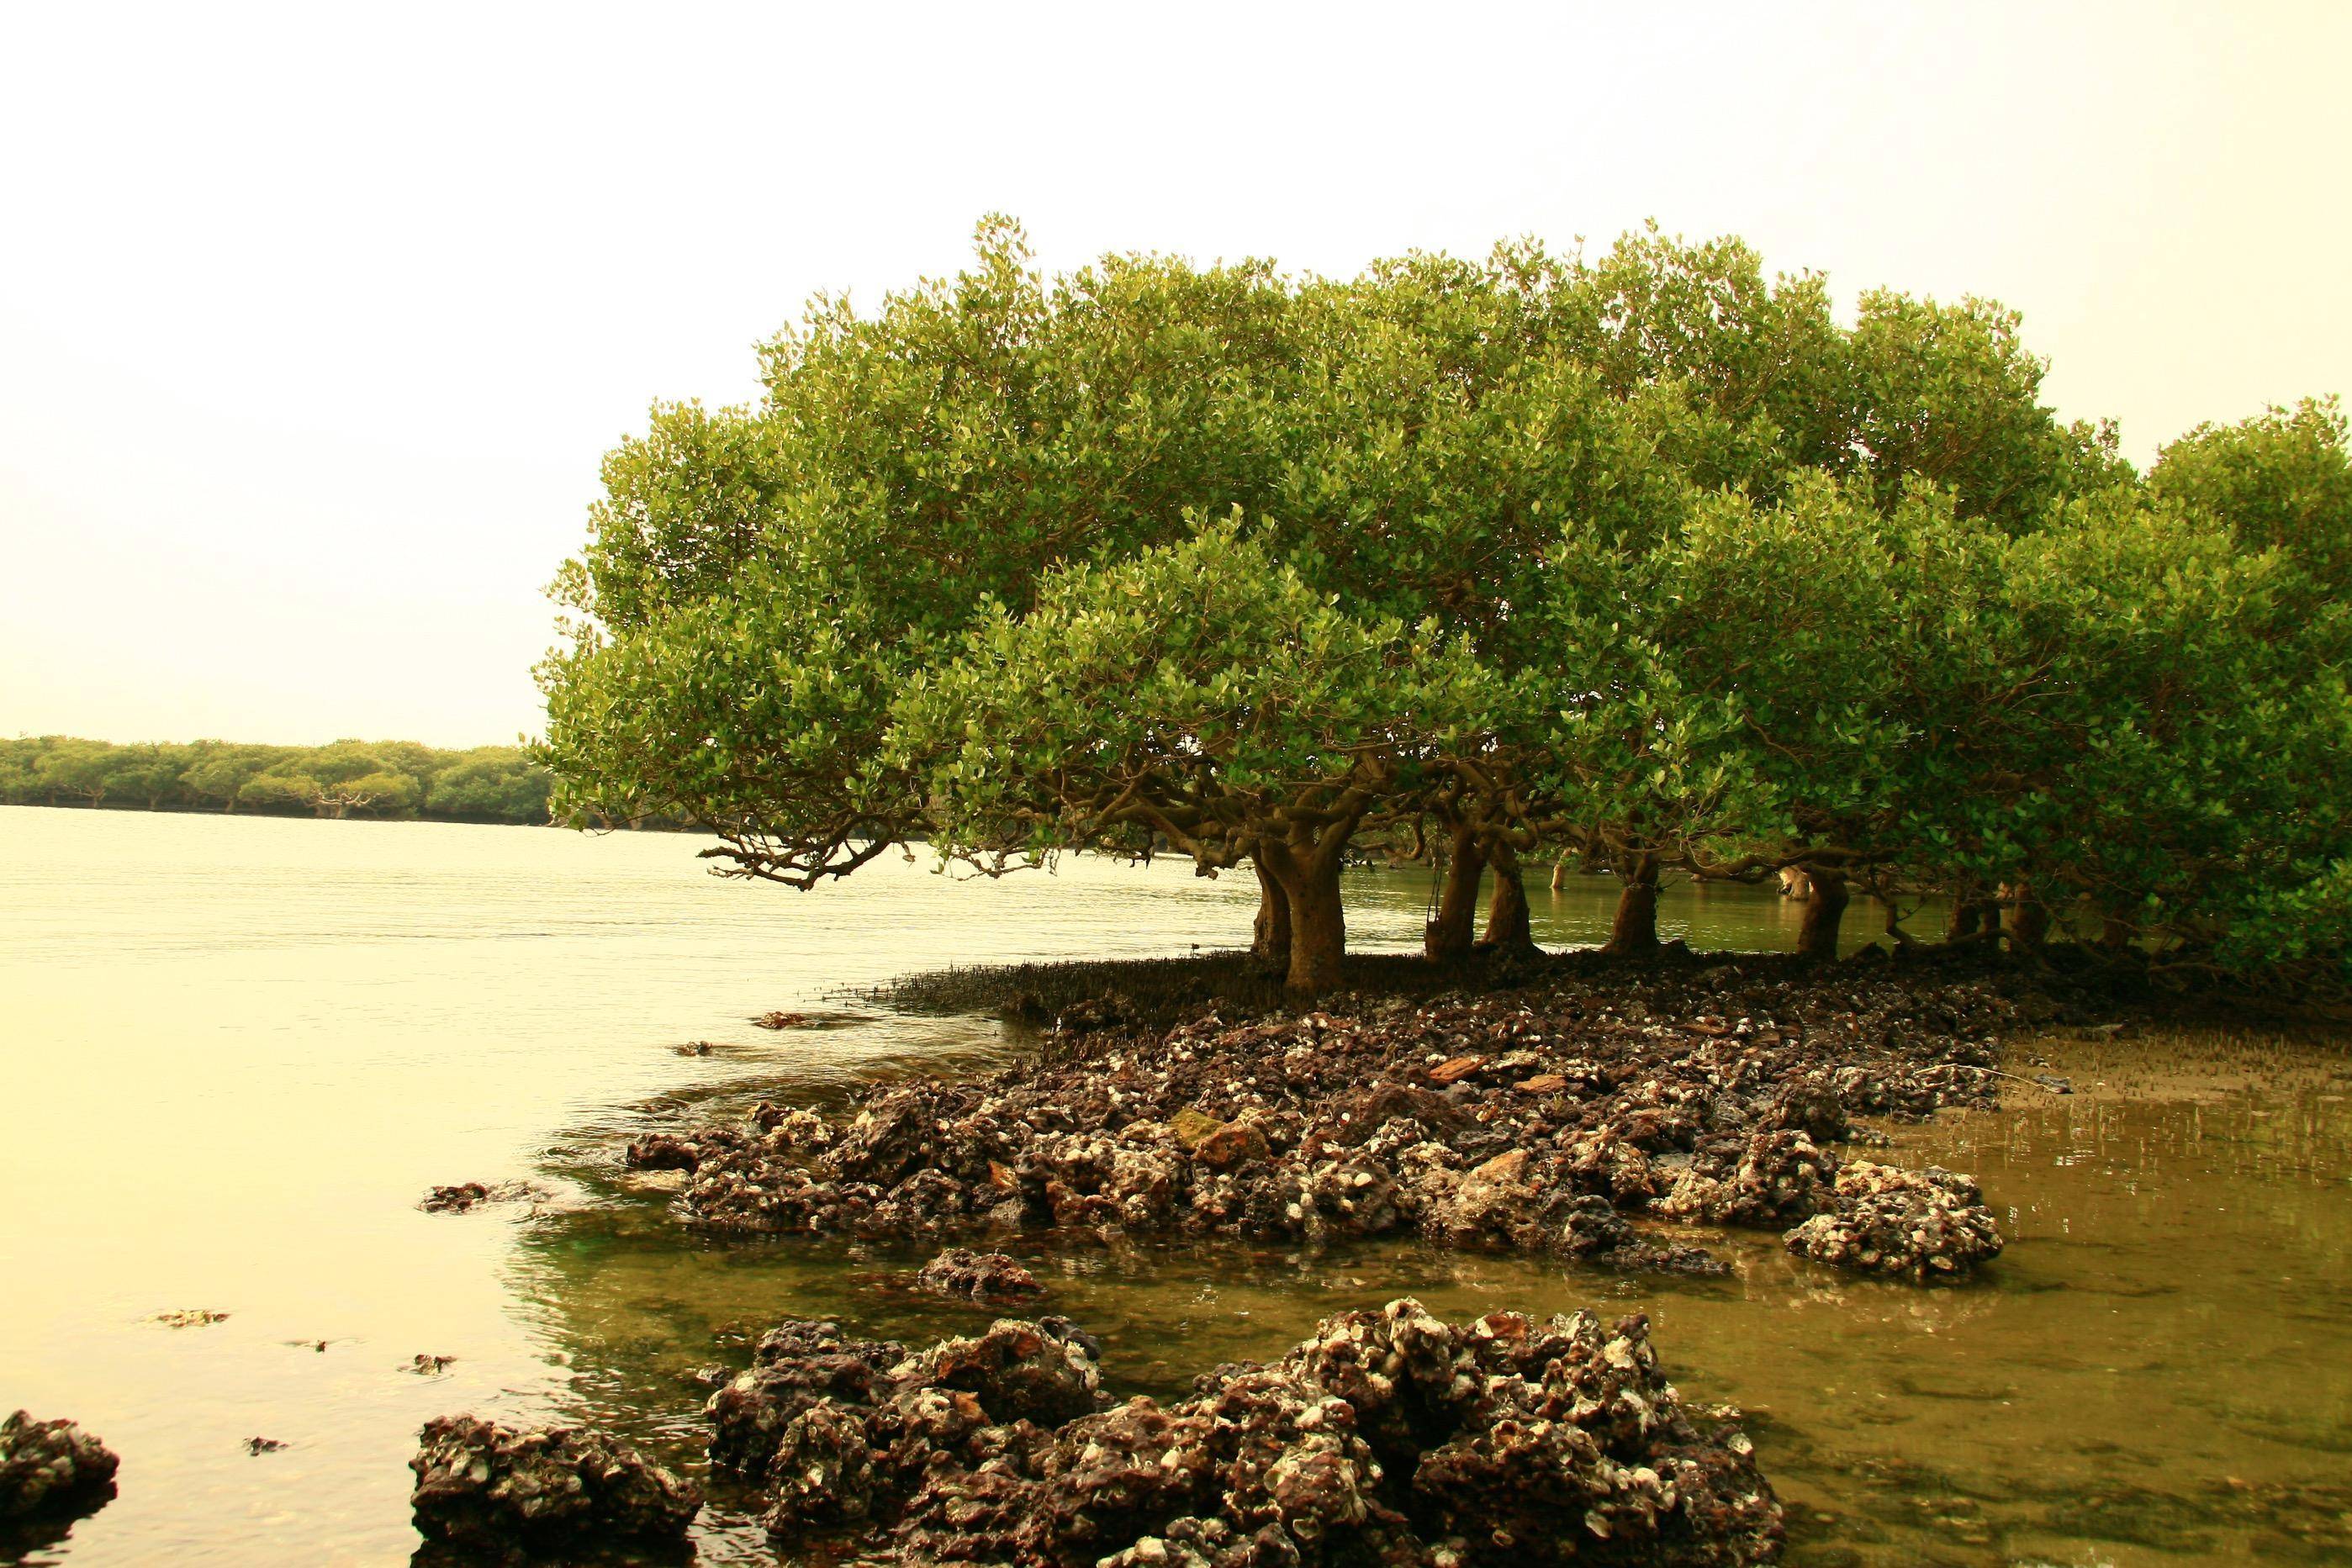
<point>1712,1092</point>
<point>52,1469</point>
<point>1780,1176</point>
<point>973,1275</point>
<point>1602,1162</point>
<point>1924,1226</point>
<point>1386,1436</point>
<point>795,1365</point>
<point>500,1492</point>
<point>824,1473</point>
<point>468,1195</point>
<point>1043,1371</point>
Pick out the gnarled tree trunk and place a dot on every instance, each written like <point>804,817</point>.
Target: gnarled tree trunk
<point>1270,939</point>
<point>1971,919</point>
<point>1448,938</point>
<point>1318,927</point>
<point>2029,920</point>
<point>1636,929</point>
<point>1508,928</point>
<point>1307,867</point>
<point>1817,937</point>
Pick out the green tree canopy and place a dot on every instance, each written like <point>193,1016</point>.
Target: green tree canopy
<point>1199,696</point>
<point>1711,581</point>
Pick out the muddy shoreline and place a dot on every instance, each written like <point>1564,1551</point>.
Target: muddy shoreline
<point>1571,1110</point>
<point>1579,1110</point>
<point>1579,1113</point>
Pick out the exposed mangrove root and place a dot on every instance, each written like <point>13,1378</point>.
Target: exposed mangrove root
<point>1385,1437</point>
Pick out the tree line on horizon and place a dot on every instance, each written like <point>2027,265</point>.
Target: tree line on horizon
<point>1646,560</point>
<point>348,778</point>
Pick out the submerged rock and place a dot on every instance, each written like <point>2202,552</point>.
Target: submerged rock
<point>52,1469</point>
<point>1923,1226</point>
<point>469,1194</point>
<point>977,1277</point>
<point>489,1488</point>
<point>189,1318</point>
<point>1386,1436</point>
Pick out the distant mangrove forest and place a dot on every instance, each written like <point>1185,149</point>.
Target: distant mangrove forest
<point>381,778</point>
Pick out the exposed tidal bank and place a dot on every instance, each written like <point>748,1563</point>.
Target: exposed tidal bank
<point>1547,1114</point>
<point>1566,1110</point>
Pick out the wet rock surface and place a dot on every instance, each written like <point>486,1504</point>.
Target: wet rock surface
<point>189,1318</point>
<point>1535,1120</point>
<point>501,1493</point>
<point>471,1195</point>
<point>1913,1225</point>
<point>971,1276</point>
<point>1386,1436</point>
<point>51,1469</point>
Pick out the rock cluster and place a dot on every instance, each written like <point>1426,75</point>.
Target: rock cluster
<point>977,1277</point>
<point>52,1469</point>
<point>1913,1225</point>
<point>486,1489</point>
<point>1387,1437</point>
<point>189,1318</point>
<point>1530,1121</point>
<point>468,1195</point>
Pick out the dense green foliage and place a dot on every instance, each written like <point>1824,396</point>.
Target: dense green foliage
<point>1645,559</point>
<point>348,778</point>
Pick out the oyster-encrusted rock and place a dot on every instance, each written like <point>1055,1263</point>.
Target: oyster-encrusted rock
<point>52,1469</point>
<point>840,1429</point>
<point>1781,1176</point>
<point>973,1275</point>
<point>489,1488</point>
<point>795,1365</point>
<point>1923,1226</point>
<point>470,1194</point>
<point>1386,1436</point>
<point>1710,1093</point>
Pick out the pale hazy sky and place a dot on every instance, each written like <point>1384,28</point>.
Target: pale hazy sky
<point>314,322</point>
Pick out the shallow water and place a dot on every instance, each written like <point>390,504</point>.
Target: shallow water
<point>236,1051</point>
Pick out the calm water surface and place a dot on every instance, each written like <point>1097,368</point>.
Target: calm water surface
<point>233,1054</point>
